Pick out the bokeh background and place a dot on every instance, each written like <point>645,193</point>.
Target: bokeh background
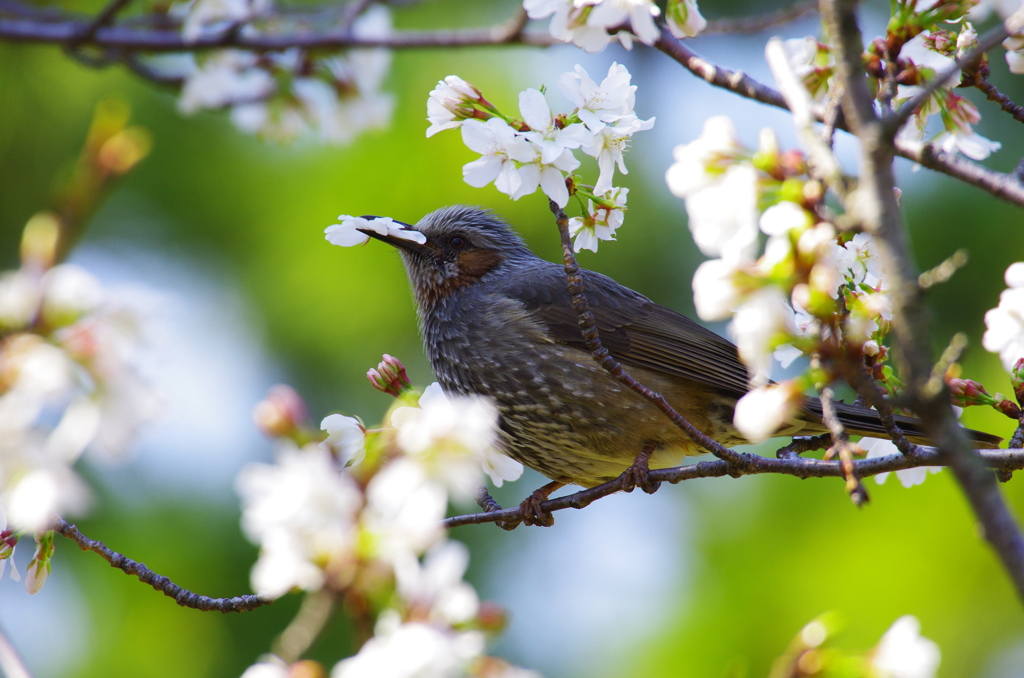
<point>713,577</point>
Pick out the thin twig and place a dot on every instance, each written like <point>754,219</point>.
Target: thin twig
<point>841,445</point>
<point>1005,102</point>
<point>183,597</point>
<point>800,445</point>
<point>170,40</point>
<point>102,19</point>
<point>602,357</point>
<point>799,467</point>
<point>756,24</point>
<point>867,388</point>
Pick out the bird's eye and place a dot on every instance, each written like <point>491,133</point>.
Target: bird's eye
<point>457,242</point>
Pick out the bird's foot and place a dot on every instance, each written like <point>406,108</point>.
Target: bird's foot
<point>638,474</point>
<point>533,514</point>
<point>487,503</point>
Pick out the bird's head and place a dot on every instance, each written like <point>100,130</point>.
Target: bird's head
<point>463,245</point>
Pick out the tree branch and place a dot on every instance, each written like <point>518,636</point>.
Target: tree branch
<point>68,31</point>
<point>39,26</point>
<point>183,597</point>
<point>603,358</point>
<point>878,213</point>
<point>1005,102</point>
<point>790,465</point>
<point>756,24</point>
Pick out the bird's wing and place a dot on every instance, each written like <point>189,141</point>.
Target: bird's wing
<point>635,330</point>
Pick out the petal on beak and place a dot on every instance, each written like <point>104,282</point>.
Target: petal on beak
<point>401,235</point>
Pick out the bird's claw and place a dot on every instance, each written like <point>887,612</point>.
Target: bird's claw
<point>530,509</point>
<point>533,514</point>
<point>638,473</point>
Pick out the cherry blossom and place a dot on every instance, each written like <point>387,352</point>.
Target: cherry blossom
<point>586,23</point>
<point>596,104</point>
<point>705,159</point>
<point>450,103</point>
<point>220,15</point>
<point>302,512</point>
<point>715,292</point>
<point>456,438</point>
<point>763,411</point>
<point>684,18</point>
<point>549,139</point>
<point>908,477</point>
<point>723,215</point>
<point>500,147</point>
<point>758,323</point>
<point>1014,46</point>
<point>608,145</point>
<point>1004,324</point>
<point>346,439</point>
<point>600,222</point>
<point>904,653</point>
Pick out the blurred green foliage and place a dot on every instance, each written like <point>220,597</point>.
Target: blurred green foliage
<point>767,560</point>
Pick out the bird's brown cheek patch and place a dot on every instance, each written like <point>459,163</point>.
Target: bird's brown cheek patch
<point>475,263</point>
<point>471,265</point>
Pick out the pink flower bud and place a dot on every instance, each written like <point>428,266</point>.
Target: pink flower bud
<point>1017,379</point>
<point>281,413</point>
<point>390,377</point>
<point>967,392</point>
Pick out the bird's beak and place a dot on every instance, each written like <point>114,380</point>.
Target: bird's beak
<point>401,243</point>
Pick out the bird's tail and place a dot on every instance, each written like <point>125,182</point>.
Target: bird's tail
<point>865,422</point>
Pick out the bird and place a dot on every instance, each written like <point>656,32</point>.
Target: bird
<point>497,321</point>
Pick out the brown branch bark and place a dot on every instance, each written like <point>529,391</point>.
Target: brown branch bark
<point>68,31</point>
<point>878,212</point>
<point>756,24</point>
<point>1005,102</point>
<point>182,596</point>
<point>790,465</point>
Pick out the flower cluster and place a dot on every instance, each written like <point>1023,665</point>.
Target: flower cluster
<point>814,290</point>
<point>914,51</point>
<point>212,17</point>
<point>536,150</point>
<point>282,95</point>
<point>68,383</point>
<point>358,514</point>
<point>902,652</point>
<point>929,54</point>
<point>592,24</point>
